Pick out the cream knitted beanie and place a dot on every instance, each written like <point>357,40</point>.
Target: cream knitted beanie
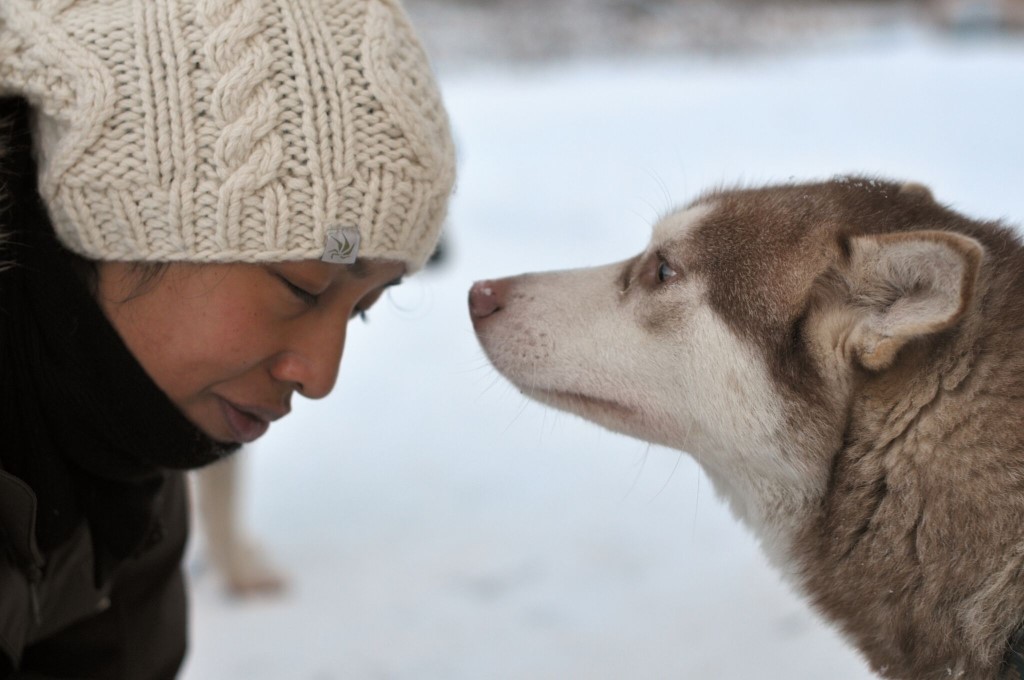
<point>232,130</point>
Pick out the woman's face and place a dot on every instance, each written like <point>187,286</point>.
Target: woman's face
<point>230,343</point>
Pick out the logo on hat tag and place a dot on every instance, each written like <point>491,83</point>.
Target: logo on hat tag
<point>341,245</point>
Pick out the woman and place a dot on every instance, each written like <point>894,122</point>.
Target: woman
<point>198,196</point>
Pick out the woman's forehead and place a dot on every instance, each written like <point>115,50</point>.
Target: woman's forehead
<point>358,270</point>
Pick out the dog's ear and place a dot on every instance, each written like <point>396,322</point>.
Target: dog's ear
<point>908,285</point>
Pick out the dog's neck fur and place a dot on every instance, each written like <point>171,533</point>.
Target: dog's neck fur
<point>910,546</point>
<point>772,505</point>
<point>904,534</point>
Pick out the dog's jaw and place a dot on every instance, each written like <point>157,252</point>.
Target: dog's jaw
<point>597,409</point>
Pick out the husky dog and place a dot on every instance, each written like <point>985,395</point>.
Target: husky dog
<point>846,361</point>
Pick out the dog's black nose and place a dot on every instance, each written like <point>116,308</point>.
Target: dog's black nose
<point>486,298</point>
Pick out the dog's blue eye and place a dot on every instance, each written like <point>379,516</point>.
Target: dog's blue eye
<point>665,272</point>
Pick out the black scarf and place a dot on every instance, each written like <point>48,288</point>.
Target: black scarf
<point>82,423</point>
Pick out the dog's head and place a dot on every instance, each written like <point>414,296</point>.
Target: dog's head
<point>739,333</point>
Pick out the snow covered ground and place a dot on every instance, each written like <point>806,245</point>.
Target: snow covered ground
<point>435,525</point>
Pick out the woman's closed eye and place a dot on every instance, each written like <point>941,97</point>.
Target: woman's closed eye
<point>312,299</point>
<point>306,297</point>
<point>370,300</point>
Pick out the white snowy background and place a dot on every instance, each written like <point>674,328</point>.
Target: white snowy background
<point>436,526</point>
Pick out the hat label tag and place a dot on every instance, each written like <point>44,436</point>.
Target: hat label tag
<point>341,246</point>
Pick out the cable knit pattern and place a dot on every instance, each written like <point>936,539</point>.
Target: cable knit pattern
<point>243,108</point>
<point>231,130</point>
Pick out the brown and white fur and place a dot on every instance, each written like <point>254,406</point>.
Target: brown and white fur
<point>845,359</point>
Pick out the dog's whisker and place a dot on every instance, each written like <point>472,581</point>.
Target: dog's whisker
<point>475,367</point>
<point>522,409</point>
<point>639,472</point>
<point>666,194</point>
<point>696,504</point>
<point>543,424</point>
<point>495,380</point>
<point>672,474</point>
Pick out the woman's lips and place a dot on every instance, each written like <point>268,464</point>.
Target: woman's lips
<point>245,425</point>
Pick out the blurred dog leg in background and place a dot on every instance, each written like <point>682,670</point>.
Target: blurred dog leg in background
<point>235,557</point>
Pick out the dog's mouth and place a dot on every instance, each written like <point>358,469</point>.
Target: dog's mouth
<point>583,404</point>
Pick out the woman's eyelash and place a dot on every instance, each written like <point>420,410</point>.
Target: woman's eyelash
<point>308,298</point>
<point>311,299</point>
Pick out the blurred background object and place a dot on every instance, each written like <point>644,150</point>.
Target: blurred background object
<point>474,31</point>
<point>980,15</point>
<point>236,558</point>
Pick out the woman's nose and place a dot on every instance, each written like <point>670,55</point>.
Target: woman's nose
<point>312,362</point>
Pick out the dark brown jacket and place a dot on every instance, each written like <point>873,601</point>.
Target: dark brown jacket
<point>55,623</point>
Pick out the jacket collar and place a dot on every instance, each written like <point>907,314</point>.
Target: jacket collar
<point>18,520</point>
